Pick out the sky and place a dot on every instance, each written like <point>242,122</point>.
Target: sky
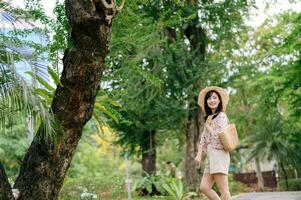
<point>259,15</point>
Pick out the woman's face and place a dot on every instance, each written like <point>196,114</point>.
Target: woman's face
<point>213,101</point>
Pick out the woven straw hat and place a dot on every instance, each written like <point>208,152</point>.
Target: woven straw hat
<point>224,96</point>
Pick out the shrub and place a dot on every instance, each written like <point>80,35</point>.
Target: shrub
<point>176,189</point>
<point>235,187</point>
<point>149,184</point>
<point>293,184</point>
<point>93,176</point>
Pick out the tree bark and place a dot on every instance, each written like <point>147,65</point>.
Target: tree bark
<point>47,161</point>
<point>259,175</point>
<point>193,128</point>
<point>5,187</point>
<point>149,153</point>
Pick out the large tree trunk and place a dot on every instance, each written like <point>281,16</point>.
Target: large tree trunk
<point>149,153</point>
<point>46,162</point>
<point>5,188</point>
<point>197,38</point>
<point>192,176</point>
<point>192,135</point>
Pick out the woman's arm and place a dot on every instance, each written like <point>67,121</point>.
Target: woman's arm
<point>202,145</point>
<point>200,152</point>
<point>198,158</point>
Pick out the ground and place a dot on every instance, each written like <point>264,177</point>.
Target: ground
<point>269,196</point>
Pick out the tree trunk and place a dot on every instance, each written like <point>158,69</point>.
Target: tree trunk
<point>196,36</point>
<point>259,175</point>
<point>6,191</point>
<point>149,153</point>
<point>191,175</point>
<point>47,161</point>
<point>285,174</point>
<point>197,39</point>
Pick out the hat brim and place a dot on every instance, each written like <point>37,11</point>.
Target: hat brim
<point>223,94</point>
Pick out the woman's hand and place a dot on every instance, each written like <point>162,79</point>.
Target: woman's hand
<point>208,127</point>
<point>209,119</point>
<point>197,161</point>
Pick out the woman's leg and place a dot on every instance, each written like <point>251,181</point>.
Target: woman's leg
<point>206,187</point>
<point>222,184</point>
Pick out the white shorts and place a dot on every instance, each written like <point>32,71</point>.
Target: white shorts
<point>218,161</point>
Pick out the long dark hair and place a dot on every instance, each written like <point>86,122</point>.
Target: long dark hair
<point>207,109</point>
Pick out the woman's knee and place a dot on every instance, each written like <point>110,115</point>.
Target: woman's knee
<point>204,188</point>
<point>225,195</point>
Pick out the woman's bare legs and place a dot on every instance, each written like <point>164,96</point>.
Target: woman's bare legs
<point>222,184</point>
<point>206,187</point>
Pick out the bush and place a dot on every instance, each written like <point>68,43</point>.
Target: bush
<point>293,184</point>
<point>176,189</point>
<point>167,187</point>
<point>149,185</point>
<point>93,176</point>
<point>235,187</point>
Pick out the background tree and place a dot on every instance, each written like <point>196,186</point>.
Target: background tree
<point>175,57</point>
<point>262,96</point>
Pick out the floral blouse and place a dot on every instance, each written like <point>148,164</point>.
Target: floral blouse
<point>217,125</point>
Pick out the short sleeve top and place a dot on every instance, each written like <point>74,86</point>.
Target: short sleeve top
<point>217,125</point>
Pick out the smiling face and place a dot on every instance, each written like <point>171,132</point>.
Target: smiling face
<point>213,101</point>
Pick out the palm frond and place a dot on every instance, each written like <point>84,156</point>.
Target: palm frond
<point>15,17</point>
<point>18,98</point>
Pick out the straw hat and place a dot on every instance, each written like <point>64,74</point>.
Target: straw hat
<point>224,96</point>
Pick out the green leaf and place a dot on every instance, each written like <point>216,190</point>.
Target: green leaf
<point>53,75</point>
<point>41,81</point>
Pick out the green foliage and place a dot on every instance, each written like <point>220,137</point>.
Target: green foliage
<point>263,81</point>
<point>272,128</point>
<point>13,144</point>
<point>56,29</point>
<point>154,72</point>
<point>269,141</point>
<point>176,189</point>
<point>156,65</point>
<point>92,174</point>
<point>235,187</point>
<point>170,149</point>
<point>46,91</point>
<point>162,185</point>
<point>60,40</point>
<point>293,184</point>
<point>105,109</point>
<point>17,96</point>
<point>149,184</point>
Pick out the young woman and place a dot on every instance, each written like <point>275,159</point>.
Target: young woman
<point>213,100</point>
